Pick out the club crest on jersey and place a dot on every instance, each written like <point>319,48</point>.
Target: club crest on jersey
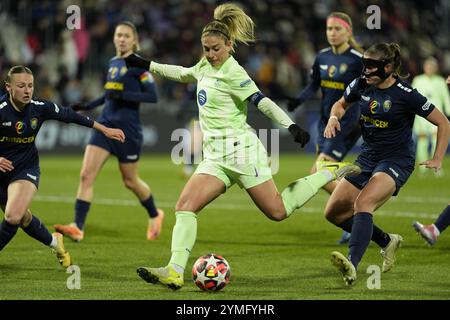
<point>20,127</point>
<point>342,68</point>
<point>34,123</point>
<point>387,105</point>
<point>123,70</point>
<point>332,71</point>
<point>373,105</point>
<point>201,97</point>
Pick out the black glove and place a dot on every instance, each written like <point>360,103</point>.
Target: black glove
<point>113,95</point>
<point>300,136</point>
<point>136,61</point>
<point>78,106</point>
<point>293,103</point>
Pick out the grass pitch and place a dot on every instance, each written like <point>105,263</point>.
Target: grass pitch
<point>269,260</point>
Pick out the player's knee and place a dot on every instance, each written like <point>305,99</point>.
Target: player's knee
<point>336,209</point>
<point>86,177</point>
<point>13,216</point>
<point>364,203</point>
<point>185,205</point>
<point>276,214</point>
<point>129,183</point>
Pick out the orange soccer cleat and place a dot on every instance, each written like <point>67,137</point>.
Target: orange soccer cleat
<point>70,230</point>
<point>155,225</point>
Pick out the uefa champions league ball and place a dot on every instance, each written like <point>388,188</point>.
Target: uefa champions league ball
<point>211,272</point>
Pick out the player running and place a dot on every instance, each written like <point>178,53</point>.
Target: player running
<point>125,89</point>
<point>388,106</point>
<point>20,121</point>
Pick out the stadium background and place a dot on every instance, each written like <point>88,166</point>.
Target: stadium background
<point>269,260</point>
<point>70,65</point>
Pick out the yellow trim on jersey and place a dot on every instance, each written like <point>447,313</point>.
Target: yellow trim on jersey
<point>17,139</point>
<point>376,122</point>
<point>114,85</point>
<point>332,84</point>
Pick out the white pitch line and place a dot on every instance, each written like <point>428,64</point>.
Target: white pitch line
<point>222,206</point>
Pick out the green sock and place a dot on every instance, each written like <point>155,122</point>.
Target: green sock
<point>300,191</point>
<point>183,237</point>
<point>422,152</point>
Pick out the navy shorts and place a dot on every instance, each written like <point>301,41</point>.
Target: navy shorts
<point>127,152</point>
<point>341,144</point>
<point>399,170</point>
<point>31,174</point>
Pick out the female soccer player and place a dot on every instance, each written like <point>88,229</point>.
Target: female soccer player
<point>125,89</point>
<point>232,152</point>
<point>388,106</point>
<point>333,70</point>
<point>21,118</point>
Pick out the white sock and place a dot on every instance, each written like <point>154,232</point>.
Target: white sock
<point>328,174</point>
<point>177,268</point>
<point>54,242</point>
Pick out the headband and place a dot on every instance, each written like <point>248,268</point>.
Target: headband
<point>344,23</point>
<point>217,30</point>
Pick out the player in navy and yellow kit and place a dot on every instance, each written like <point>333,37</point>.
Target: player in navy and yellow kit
<point>388,107</point>
<point>20,121</point>
<point>333,70</point>
<point>125,89</point>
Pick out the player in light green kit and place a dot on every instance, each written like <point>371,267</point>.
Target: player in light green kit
<point>432,86</point>
<point>232,152</point>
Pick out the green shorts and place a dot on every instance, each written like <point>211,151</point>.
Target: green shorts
<point>230,175</point>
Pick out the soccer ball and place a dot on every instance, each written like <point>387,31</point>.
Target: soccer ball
<point>211,272</point>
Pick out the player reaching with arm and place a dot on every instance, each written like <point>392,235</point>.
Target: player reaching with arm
<point>125,89</point>
<point>388,107</point>
<point>232,152</point>
<point>21,118</point>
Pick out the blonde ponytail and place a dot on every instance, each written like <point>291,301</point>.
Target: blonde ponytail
<point>232,24</point>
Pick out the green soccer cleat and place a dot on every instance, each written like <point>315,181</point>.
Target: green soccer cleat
<point>166,276</point>
<point>388,253</point>
<point>344,266</point>
<point>338,169</point>
<point>62,255</point>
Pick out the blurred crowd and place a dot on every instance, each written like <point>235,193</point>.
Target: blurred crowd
<point>70,65</point>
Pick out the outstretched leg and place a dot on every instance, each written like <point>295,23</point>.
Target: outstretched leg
<point>200,190</point>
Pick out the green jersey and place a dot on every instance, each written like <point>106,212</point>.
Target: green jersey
<point>222,101</point>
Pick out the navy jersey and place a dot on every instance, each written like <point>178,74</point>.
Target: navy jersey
<point>18,129</point>
<point>333,73</point>
<point>387,117</point>
<point>135,85</point>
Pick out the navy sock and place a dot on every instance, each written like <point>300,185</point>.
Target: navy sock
<point>81,211</point>
<point>7,232</point>
<point>380,237</point>
<point>443,221</point>
<point>37,230</point>
<point>361,234</point>
<point>149,205</point>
